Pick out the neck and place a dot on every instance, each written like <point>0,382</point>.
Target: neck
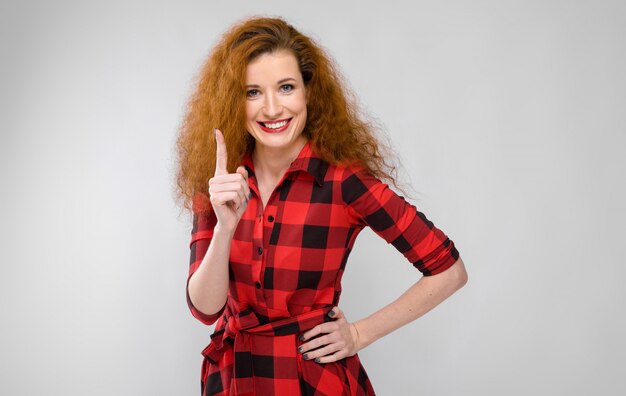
<point>273,163</point>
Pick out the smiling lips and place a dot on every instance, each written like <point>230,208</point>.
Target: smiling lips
<point>274,126</point>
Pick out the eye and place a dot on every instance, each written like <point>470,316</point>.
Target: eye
<point>252,93</point>
<point>286,88</point>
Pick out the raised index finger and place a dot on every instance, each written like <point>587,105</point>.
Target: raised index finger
<point>221,155</point>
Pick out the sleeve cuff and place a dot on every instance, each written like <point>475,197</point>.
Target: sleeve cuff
<point>439,260</point>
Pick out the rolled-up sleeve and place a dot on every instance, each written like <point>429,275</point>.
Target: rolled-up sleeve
<point>204,221</point>
<point>372,203</point>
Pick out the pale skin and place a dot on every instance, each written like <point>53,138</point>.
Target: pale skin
<point>276,92</point>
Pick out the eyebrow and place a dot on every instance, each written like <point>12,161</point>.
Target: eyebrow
<point>282,81</point>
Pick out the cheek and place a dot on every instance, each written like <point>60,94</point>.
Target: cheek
<point>304,108</point>
<point>299,104</point>
<point>304,114</point>
<point>250,111</point>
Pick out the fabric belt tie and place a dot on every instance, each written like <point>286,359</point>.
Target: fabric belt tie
<point>237,332</point>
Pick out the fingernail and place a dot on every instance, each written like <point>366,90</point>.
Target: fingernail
<point>214,131</point>
<point>317,360</point>
<point>331,313</point>
<point>302,337</point>
<point>305,356</point>
<point>250,195</point>
<point>299,349</point>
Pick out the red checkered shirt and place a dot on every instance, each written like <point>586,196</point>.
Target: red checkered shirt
<point>286,264</point>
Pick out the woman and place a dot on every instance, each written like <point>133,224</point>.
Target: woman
<point>293,175</point>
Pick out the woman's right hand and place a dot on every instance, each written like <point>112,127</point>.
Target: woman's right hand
<point>229,192</point>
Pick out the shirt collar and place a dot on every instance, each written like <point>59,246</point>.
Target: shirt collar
<point>307,161</point>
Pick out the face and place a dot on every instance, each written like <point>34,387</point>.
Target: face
<point>276,103</point>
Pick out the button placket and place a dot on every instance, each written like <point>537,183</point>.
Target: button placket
<point>266,224</point>
<point>257,252</point>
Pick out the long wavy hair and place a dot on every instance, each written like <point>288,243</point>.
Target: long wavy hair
<point>335,127</point>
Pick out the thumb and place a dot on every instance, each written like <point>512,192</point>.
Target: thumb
<point>336,313</point>
<point>243,172</point>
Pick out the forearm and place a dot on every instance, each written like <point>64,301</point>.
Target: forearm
<point>208,286</point>
<point>420,298</point>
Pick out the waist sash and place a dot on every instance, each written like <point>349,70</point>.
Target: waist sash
<point>236,334</point>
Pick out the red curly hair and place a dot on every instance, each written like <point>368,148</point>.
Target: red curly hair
<point>334,126</point>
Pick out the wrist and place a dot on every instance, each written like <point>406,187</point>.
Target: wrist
<point>359,335</point>
<point>356,336</point>
<point>221,231</point>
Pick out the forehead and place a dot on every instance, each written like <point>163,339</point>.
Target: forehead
<point>272,67</point>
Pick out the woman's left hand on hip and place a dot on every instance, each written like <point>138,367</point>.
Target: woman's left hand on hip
<point>330,341</point>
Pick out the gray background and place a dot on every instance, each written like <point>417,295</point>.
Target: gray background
<point>509,120</point>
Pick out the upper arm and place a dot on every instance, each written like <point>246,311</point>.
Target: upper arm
<point>397,221</point>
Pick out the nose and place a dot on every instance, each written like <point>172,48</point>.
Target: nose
<point>272,107</point>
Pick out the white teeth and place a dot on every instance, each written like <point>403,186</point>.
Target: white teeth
<point>275,125</point>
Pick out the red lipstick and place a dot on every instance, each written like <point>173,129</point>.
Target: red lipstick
<point>265,128</point>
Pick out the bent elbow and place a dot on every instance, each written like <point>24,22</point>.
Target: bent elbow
<point>460,277</point>
<point>463,279</point>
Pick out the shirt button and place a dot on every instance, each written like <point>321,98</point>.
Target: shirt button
<point>270,218</point>
<point>260,251</point>
<point>257,285</point>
